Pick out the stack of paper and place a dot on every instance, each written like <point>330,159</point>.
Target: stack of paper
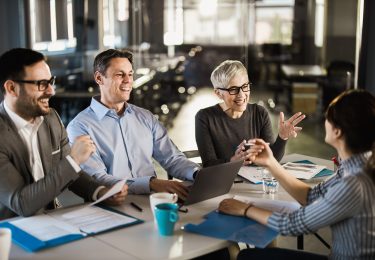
<point>251,173</point>
<point>272,205</point>
<point>303,171</point>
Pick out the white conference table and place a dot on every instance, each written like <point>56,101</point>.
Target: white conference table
<point>143,241</point>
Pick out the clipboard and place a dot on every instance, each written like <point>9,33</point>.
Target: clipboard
<point>32,243</point>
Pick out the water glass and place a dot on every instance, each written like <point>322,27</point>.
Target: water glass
<point>270,184</point>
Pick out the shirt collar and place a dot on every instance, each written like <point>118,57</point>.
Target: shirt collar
<point>355,163</point>
<point>19,122</point>
<point>101,110</point>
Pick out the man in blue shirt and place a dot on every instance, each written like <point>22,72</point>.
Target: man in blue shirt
<point>127,137</point>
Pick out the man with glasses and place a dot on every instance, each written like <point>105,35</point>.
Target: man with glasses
<point>127,137</point>
<point>36,161</point>
<point>222,130</point>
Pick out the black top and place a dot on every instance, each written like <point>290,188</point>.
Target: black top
<point>218,135</point>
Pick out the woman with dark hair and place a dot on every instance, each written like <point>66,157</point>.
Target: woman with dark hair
<point>345,202</point>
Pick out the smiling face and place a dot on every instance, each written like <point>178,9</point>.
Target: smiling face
<point>31,102</point>
<point>235,103</point>
<point>116,85</point>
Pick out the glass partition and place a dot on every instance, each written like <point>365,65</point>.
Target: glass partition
<point>51,25</point>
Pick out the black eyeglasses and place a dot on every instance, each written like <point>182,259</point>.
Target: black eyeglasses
<point>42,84</point>
<point>235,90</point>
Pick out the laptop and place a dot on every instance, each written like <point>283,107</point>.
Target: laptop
<point>212,181</point>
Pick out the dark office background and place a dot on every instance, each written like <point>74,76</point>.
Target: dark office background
<point>340,41</point>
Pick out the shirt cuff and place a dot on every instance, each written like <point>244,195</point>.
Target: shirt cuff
<point>191,175</point>
<point>96,192</point>
<point>273,221</point>
<point>73,164</point>
<point>139,185</point>
<point>283,140</point>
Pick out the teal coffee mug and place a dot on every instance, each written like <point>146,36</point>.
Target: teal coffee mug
<point>166,215</point>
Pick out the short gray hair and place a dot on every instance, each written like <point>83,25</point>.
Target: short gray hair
<point>223,73</point>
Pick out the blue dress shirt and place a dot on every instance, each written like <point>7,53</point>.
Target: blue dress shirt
<point>126,144</point>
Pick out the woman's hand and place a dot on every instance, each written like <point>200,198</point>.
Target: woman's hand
<point>240,153</point>
<point>233,207</point>
<point>288,128</point>
<point>261,153</point>
<point>247,154</point>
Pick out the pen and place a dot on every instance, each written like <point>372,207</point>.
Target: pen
<point>136,206</point>
<point>185,210</point>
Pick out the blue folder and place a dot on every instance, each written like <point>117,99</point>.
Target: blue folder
<point>233,228</point>
<point>33,244</point>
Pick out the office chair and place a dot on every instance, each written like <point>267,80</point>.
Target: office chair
<point>273,56</point>
<point>340,76</point>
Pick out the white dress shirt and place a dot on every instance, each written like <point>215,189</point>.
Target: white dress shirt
<point>28,132</point>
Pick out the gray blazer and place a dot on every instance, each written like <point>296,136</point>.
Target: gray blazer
<point>19,193</point>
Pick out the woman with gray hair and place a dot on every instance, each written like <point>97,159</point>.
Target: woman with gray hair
<point>222,130</point>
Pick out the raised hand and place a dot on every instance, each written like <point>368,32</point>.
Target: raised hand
<point>288,128</point>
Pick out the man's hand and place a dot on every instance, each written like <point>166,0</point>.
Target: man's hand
<point>116,199</point>
<point>82,148</point>
<point>288,128</point>
<point>177,187</point>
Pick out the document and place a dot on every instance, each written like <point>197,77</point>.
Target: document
<point>303,171</point>
<point>65,225</point>
<point>251,173</point>
<point>45,227</point>
<point>272,205</point>
<point>92,220</point>
<point>115,189</point>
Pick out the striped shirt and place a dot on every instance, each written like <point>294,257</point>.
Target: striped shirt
<point>346,203</point>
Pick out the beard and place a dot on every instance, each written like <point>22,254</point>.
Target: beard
<point>30,107</point>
